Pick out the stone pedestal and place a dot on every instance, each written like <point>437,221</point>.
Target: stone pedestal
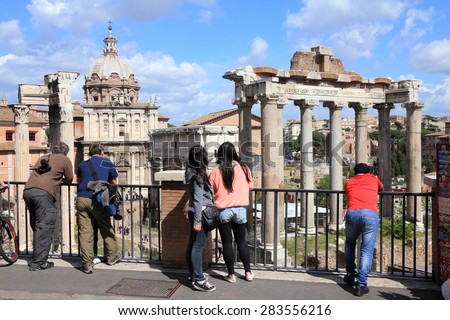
<point>175,228</point>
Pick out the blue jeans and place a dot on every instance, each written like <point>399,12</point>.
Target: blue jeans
<point>362,222</point>
<point>194,251</point>
<point>235,214</point>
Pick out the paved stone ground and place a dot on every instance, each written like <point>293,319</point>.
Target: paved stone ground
<point>65,282</point>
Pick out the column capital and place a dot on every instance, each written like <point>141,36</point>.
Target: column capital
<point>359,106</point>
<point>413,105</point>
<point>244,101</point>
<point>21,113</point>
<point>383,106</point>
<point>306,103</point>
<point>337,105</point>
<point>279,99</point>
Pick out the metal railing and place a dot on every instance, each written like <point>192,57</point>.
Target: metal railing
<point>404,242</point>
<point>302,243</point>
<point>138,233</point>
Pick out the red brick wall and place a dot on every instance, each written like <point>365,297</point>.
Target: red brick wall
<point>175,226</point>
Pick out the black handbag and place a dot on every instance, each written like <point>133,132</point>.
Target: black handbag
<point>211,218</point>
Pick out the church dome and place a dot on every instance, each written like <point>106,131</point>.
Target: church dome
<point>110,80</point>
<point>110,62</point>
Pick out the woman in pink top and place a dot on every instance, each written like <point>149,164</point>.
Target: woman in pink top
<point>232,182</point>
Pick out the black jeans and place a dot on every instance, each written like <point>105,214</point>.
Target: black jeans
<point>42,208</point>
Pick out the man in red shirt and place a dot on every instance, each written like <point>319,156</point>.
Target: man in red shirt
<point>362,220</point>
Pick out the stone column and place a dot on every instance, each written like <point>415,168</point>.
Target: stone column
<point>245,146</point>
<point>361,154</point>
<point>384,153</point>
<point>62,130</point>
<point>272,165</point>
<point>414,156</point>
<point>307,165</point>
<point>336,172</point>
<point>133,167</point>
<point>54,119</point>
<point>21,167</point>
<point>143,176</point>
<point>245,130</point>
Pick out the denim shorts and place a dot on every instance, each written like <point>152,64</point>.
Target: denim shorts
<point>235,214</point>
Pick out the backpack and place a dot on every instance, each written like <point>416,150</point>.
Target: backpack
<point>115,198</point>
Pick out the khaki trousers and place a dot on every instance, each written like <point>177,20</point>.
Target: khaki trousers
<point>89,214</point>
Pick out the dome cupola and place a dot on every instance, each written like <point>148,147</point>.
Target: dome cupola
<point>110,77</point>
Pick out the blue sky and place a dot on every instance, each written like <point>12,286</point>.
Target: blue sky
<point>179,49</point>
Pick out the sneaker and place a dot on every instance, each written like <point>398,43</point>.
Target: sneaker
<point>192,280</point>
<point>96,260</point>
<point>45,265</point>
<point>349,279</point>
<point>361,290</point>
<point>205,286</point>
<point>86,269</point>
<point>115,260</point>
<point>231,278</point>
<point>249,276</point>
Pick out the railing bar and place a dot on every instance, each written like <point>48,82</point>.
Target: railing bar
<point>316,244</point>
<point>296,230</point>
<point>285,229</point>
<point>415,238</point>
<point>338,198</point>
<point>276,231</point>
<point>426,236</point>
<point>263,214</point>
<point>381,233</point>
<point>403,237</point>
<point>305,257</point>
<point>327,228</point>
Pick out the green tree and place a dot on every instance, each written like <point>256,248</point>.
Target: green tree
<point>323,184</point>
<point>398,125</point>
<point>429,165</point>
<point>426,122</point>
<point>319,142</point>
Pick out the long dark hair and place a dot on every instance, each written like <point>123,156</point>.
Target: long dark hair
<point>198,160</point>
<point>225,156</point>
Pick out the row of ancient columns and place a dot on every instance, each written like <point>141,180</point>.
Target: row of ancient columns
<point>273,156</point>
<point>61,129</point>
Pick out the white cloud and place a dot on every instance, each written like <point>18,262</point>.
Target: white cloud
<point>433,57</point>
<point>7,58</point>
<point>358,41</point>
<point>11,36</point>
<point>81,15</point>
<point>436,99</point>
<point>257,54</point>
<point>417,23</point>
<point>206,16</point>
<point>178,86</point>
<point>205,3</point>
<point>144,10</point>
<point>66,14</point>
<point>353,26</point>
